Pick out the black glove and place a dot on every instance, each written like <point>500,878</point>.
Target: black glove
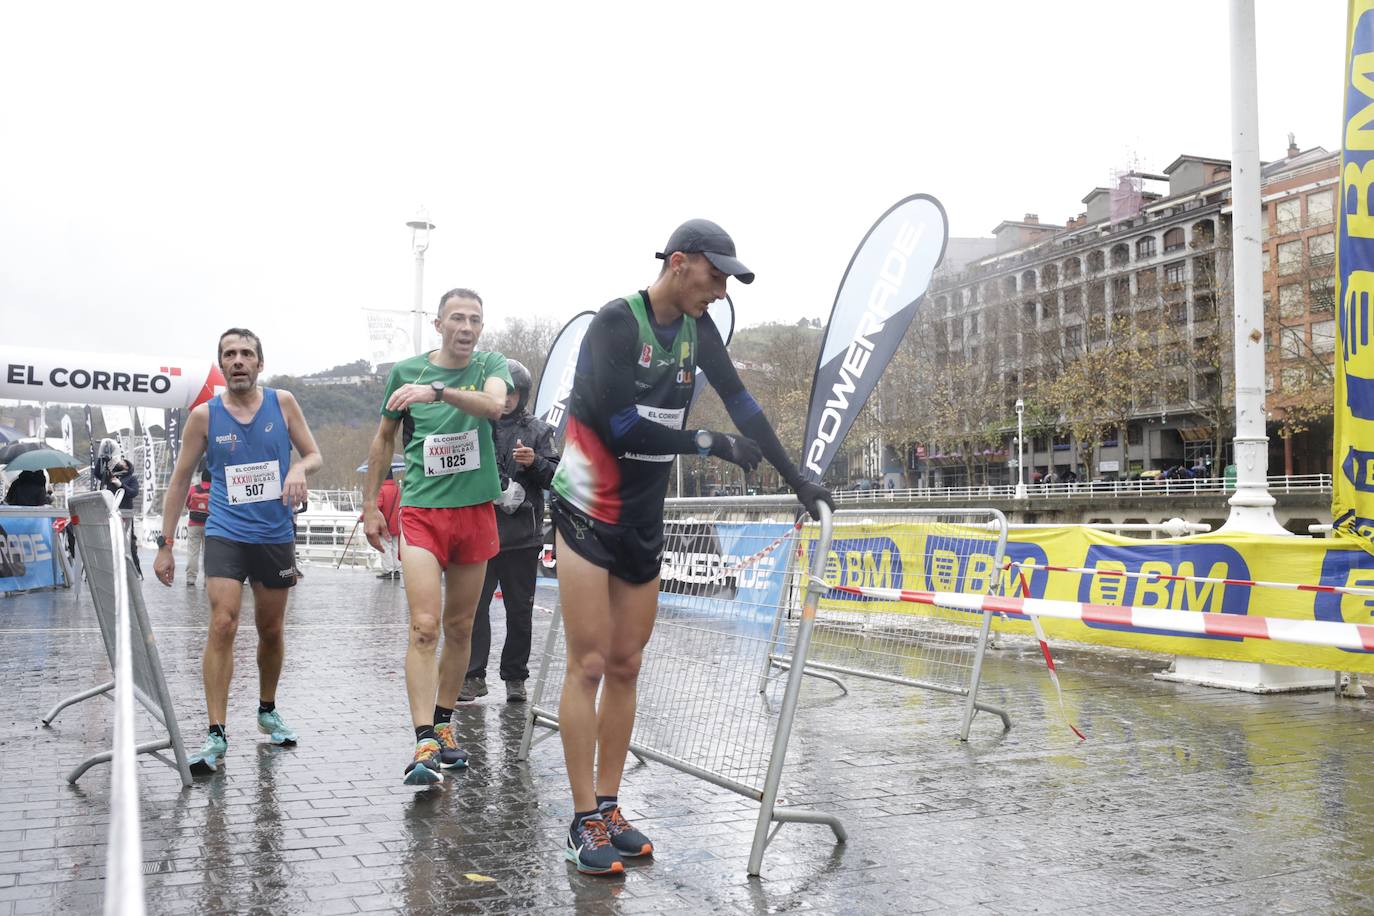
<point>811,495</point>
<point>739,450</point>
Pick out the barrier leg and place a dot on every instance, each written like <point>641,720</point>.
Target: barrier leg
<point>540,683</point>
<point>971,705</point>
<point>77,698</point>
<point>104,757</point>
<point>768,812</point>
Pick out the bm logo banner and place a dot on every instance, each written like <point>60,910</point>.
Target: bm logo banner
<point>1212,561</point>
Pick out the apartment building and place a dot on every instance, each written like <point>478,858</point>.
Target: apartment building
<point>1152,252</point>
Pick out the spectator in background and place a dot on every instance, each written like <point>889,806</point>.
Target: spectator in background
<point>526,458</point>
<point>30,488</point>
<point>389,502</point>
<point>120,476</point>
<point>198,505</point>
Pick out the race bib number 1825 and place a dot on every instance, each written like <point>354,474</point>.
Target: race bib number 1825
<point>452,453</point>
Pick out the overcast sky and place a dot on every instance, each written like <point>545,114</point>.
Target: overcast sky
<point>168,171</point>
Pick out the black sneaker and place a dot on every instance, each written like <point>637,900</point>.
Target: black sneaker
<point>515,692</point>
<point>473,687</point>
<point>628,841</point>
<point>424,770</point>
<point>450,754</point>
<point>589,848</point>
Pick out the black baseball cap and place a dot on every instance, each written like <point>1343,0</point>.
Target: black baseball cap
<point>701,236</point>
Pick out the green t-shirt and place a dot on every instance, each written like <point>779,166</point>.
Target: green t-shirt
<point>450,460</point>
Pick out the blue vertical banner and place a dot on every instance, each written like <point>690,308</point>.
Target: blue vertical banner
<point>884,283</point>
<point>1352,497</point>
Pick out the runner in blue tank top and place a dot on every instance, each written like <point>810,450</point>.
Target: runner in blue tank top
<point>246,435</point>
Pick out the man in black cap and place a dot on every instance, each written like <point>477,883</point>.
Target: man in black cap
<point>627,423</point>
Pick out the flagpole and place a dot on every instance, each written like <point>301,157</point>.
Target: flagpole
<point>1252,507</point>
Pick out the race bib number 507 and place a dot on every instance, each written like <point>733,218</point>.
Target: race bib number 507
<point>253,483</point>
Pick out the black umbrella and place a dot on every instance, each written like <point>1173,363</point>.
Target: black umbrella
<point>13,450</point>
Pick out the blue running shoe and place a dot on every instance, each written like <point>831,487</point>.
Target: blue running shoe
<point>270,723</point>
<point>450,754</point>
<point>425,769</point>
<point>590,849</point>
<point>627,840</point>
<point>210,756</point>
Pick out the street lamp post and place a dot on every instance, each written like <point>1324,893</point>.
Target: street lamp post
<point>419,242</point>
<point>1020,448</point>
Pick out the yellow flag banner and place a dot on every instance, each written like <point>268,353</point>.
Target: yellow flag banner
<point>960,559</point>
<point>1352,497</point>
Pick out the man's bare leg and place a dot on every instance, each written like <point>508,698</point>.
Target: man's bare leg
<point>585,595</point>
<point>633,609</point>
<point>422,574</point>
<point>217,663</point>
<point>464,589</point>
<point>269,613</point>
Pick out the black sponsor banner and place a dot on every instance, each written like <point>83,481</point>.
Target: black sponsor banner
<point>90,437</point>
<point>556,381</point>
<point>877,299</point>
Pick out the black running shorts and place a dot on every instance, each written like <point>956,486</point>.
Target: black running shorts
<point>272,565</point>
<point>634,554</point>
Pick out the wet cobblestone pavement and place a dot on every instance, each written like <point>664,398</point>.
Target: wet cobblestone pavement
<point>1183,800</point>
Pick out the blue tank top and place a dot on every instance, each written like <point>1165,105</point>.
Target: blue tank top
<point>242,458</point>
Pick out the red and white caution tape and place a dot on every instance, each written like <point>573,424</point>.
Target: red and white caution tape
<point>749,561</point>
<point>1024,587</point>
<point>1164,577</point>
<point>1330,634</point>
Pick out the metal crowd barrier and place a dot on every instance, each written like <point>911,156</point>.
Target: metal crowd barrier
<point>931,648</point>
<point>129,643</point>
<point>700,709</point>
<point>102,544</point>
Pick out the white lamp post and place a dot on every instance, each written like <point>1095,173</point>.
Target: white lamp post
<point>1020,447</point>
<point>419,242</point>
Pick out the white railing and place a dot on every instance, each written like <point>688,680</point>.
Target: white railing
<point>1097,489</point>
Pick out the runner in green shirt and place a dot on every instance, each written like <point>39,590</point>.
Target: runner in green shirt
<point>442,402</point>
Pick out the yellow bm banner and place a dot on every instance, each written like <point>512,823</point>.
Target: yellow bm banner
<point>962,558</point>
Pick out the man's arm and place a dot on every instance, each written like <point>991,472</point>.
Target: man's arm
<point>308,460</point>
<point>486,404</point>
<point>378,463</point>
<point>193,439</point>
<point>750,419</point>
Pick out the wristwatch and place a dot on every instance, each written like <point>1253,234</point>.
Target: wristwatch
<point>704,442</point>
<point>438,390</point>
<point>163,542</point>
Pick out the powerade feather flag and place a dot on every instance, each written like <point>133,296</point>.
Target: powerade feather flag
<point>1352,496</point>
<point>556,381</point>
<point>878,296</point>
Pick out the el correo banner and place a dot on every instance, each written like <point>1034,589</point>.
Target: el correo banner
<point>959,559</point>
<point>1352,496</point>
<point>877,299</point>
<point>126,379</point>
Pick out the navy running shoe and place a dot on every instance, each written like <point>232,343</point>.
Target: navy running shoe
<point>628,841</point>
<point>590,848</point>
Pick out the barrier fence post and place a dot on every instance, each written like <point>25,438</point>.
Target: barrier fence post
<point>124,839</point>
<point>768,812</point>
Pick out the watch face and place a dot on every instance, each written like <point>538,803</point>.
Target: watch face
<point>704,439</point>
